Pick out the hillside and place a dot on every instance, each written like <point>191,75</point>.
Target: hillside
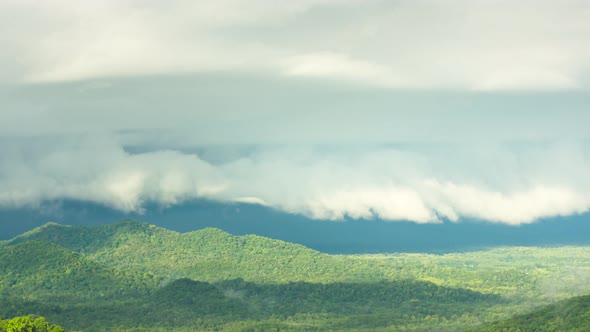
<point>43,278</point>
<point>213,255</point>
<point>568,315</point>
<point>42,270</point>
<point>135,276</point>
<point>208,255</point>
<point>311,306</point>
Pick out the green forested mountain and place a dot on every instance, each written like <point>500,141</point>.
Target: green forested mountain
<point>134,276</point>
<point>41,270</point>
<point>44,278</point>
<point>209,254</point>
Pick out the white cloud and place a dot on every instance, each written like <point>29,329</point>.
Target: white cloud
<point>338,66</point>
<point>471,46</point>
<point>387,203</point>
<point>391,184</point>
<point>515,207</point>
<point>499,45</point>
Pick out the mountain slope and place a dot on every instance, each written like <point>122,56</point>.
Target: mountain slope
<point>133,274</point>
<point>42,270</point>
<point>43,278</point>
<point>208,255</point>
<point>334,306</point>
<point>126,276</point>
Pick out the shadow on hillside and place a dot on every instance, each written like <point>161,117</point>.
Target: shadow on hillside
<point>185,302</point>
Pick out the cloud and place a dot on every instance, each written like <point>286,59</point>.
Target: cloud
<point>184,111</point>
<point>129,102</point>
<point>466,45</point>
<point>337,66</point>
<point>520,186</point>
<point>517,207</point>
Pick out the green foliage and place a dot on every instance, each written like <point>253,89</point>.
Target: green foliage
<point>133,276</point>
<point>208,255</point>
<point>567,315</point>
<point>419,297</point>
<point>41,270</point>
<point>28,324</point>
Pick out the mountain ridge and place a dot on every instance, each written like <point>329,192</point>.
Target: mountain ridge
<point>138,277</point>
<point>348,237</point>
<point>145,277</point>
<point>208,254</point>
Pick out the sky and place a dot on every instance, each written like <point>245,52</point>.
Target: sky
<point>423,111</point>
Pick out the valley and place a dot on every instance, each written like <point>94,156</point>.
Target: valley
<point>135,276</point>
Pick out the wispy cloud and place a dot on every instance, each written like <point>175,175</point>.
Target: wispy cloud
<point>338,66</point>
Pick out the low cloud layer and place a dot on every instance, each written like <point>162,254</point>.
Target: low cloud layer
<point>397,110</point>
<point>512,185</point>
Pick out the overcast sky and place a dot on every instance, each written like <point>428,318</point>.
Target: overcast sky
<point>397,110</point>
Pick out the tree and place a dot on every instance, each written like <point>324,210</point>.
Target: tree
<point>28,324</point>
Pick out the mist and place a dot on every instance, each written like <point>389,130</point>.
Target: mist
<point>427,183</point>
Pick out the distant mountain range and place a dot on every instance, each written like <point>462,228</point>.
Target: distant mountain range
<point>350,236</point>
<point>209,254</point>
